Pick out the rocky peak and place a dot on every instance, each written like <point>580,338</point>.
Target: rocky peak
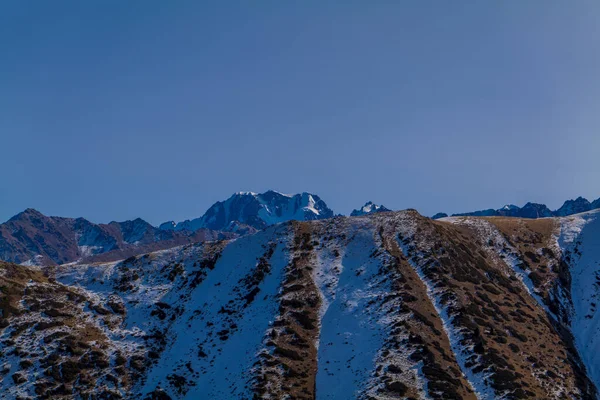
<point>257,210</point>
<point>369,208</point>
<point>576,206</point>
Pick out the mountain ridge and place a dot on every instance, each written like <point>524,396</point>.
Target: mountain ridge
<point>532,210</point>
<point>31,237</point>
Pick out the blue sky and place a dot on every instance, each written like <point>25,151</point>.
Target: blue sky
<point>112,110</point>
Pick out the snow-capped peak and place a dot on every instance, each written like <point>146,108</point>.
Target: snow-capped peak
<point>258,210</point>
<point>369,208</point>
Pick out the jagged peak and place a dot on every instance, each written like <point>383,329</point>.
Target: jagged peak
<point>257,210</point>
<point>279,193</point>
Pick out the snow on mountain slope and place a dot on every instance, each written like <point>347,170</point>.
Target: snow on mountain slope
<point>257,210</point>
<point>557,259</point>
<point>561,269</point>
<point>225,320</point>
<point>580,240</point>
<point>391,305</point>
<point>356,324</point>
<point>55,336</point>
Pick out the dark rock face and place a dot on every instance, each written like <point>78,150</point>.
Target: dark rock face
<point>534,210</point>
<point>481,213</point>
<point>571,207</point>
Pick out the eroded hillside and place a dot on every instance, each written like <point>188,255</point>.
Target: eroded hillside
<point>385,306</point>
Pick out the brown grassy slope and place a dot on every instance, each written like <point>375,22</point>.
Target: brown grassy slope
<point>417,337</point>
<point>513,343</point>
<point>290,368</point>
<point>529,356</point>
<point>535,241</point>
<point>426,331</point>
<point>542,262</point>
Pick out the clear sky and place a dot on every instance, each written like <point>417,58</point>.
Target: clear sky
<point>114,109</point>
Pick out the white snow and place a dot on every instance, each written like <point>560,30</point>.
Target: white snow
<point>222,372</point>
<point>273,208</point>
<point>580,239</point>
<point>87,251</point>
<point>351,333</point>
<point>37,260</point>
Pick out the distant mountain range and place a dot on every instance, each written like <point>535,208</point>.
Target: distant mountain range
<point>532,210</point>
<point>36,239</point>
<point>33,238</point>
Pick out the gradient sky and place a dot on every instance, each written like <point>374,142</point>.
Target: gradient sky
<point>112,110</point>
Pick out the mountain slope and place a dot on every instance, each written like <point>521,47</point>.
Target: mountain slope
<point>580,237</point>
<point>257,211</point>
<point>33,238</point>
<point>391,305</point>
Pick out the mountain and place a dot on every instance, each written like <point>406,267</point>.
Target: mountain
<point>534,210</point>
<point>571,207</point>
<point>390,305</point>
<point>30,237</point>
<point>33,238</point>
<point>369,208</point>
<point>439,216</point>
<point>257,211</point>
<point>509,210</point>
<point>481,213</point>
